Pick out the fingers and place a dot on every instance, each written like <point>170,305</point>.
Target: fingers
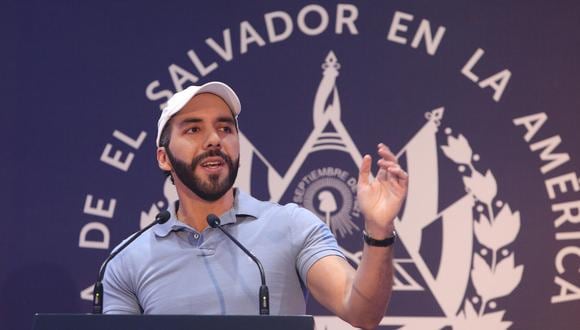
<point>389,168</point>
<point>386,153</point>
<point>393,170</point>
<point>398,176</point>
<point>365,170</point>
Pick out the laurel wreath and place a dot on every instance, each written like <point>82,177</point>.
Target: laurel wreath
<point>494,274</point>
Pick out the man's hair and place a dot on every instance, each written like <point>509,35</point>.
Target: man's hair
<point>164,140</point>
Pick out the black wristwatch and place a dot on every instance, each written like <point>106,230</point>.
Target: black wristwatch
<point>383,243</point>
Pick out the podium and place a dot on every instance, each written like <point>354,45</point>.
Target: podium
<point>170,322</point>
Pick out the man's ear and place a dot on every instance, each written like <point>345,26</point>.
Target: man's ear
<point>163,160</point>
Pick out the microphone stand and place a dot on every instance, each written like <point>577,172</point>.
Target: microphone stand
<point>263,294</point>
<point>162,217</point>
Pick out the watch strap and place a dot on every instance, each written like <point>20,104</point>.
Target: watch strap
<point>376,242</point>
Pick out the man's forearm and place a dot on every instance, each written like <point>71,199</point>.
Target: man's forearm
<point>372,286</point>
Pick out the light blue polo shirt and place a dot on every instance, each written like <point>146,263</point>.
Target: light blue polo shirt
<point>173,269</point>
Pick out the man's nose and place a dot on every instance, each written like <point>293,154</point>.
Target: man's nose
<point>213,140</point>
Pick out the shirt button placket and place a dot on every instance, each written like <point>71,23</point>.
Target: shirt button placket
<point>194,238</point>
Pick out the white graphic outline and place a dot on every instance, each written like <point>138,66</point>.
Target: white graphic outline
<point>459,265</point>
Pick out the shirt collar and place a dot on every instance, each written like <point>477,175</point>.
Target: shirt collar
<point>244,206</point>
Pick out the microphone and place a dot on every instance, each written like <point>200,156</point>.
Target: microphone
<point>162,217</point>
<point>263,295</point>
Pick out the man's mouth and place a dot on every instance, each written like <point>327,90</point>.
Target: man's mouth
<point>212,163</point>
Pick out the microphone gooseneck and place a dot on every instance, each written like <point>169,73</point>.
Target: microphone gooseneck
<point>263,294</point>
<point>162,217</point>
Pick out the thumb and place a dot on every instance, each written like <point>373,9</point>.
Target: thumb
<point>365,170</point>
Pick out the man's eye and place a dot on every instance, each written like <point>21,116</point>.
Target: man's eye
<point>193,130</point>
<point>226,129</point>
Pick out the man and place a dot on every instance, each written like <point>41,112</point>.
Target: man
<point>185,267</point>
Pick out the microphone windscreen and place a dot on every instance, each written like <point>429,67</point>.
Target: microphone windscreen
<point>213,220</point>
<point>162,217</point>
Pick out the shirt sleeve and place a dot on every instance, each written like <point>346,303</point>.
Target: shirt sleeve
<point>315,240</point>
<point>118,297</point>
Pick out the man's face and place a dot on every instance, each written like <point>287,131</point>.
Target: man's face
<point>203,151</point>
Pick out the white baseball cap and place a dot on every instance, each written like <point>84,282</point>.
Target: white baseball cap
<point>180,99</point>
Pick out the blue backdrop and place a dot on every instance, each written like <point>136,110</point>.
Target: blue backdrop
<point>478,98</point>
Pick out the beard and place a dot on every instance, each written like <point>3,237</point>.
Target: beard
<point>212,189</point>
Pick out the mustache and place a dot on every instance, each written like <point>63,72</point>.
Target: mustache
<point>210,153</point>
